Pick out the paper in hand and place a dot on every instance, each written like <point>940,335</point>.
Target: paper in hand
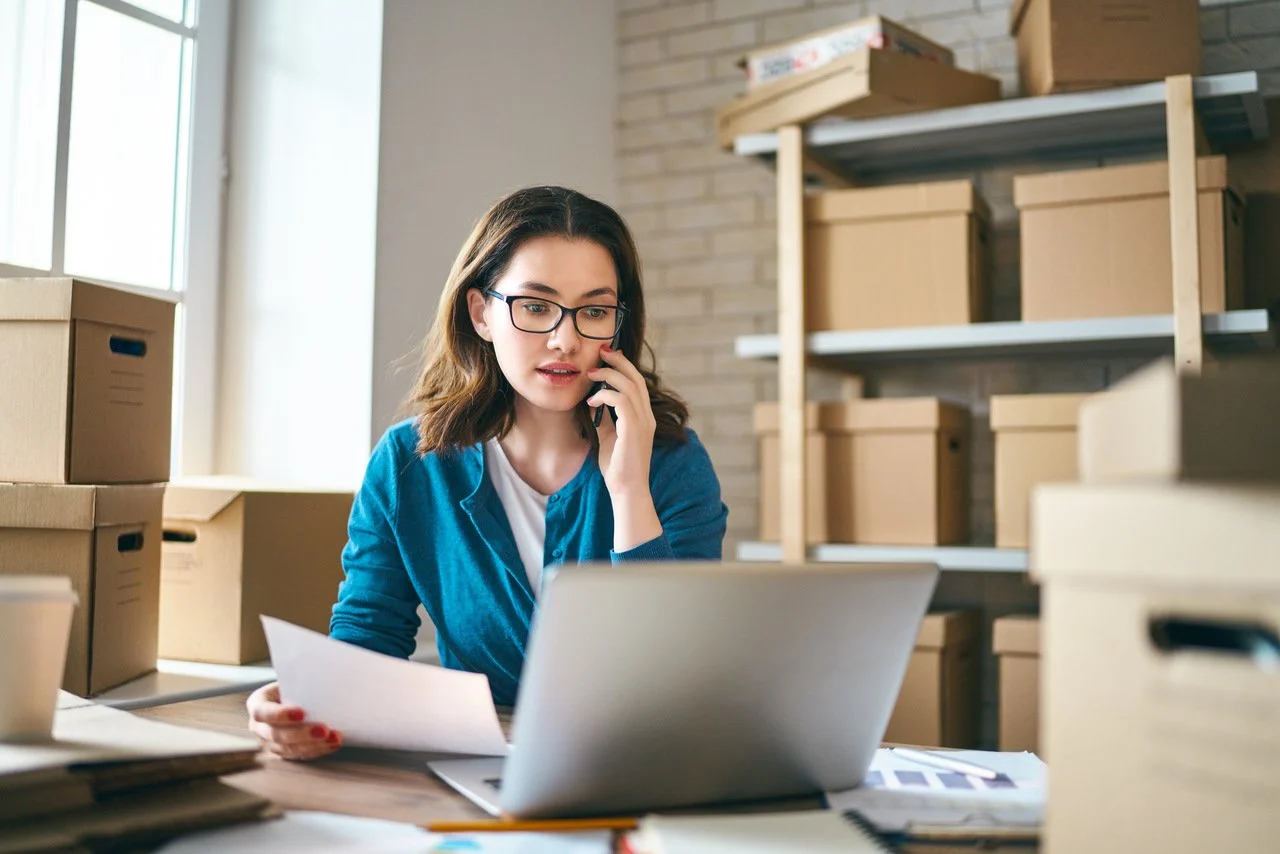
<point>376,700</point>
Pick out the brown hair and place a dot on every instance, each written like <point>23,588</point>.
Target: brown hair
<point>461,396</point>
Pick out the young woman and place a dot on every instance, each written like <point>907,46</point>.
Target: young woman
<point>538,438</point>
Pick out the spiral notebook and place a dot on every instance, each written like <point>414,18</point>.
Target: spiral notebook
<point>811,831</point>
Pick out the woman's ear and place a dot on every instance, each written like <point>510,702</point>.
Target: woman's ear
<point>476,304</point>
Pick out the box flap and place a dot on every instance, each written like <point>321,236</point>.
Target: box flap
<point>893,415</point>
<point>1018,634</point>
<point>1016,14</point>
<point>1158,424</point>
<point>74,507</point>
<point>1111,182</point>
<point>880,203</point>
<point>766,416</point>
<point>858,23</point>
<point>1035,411</point>
<point>196,504</point>
<point>1205,535</point>
<point>61,298</point>
<point>944,628</point>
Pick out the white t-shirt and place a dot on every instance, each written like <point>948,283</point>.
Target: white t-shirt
<point>526,510</point>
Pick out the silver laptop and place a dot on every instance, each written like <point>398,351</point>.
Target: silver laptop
<point>659,685</point>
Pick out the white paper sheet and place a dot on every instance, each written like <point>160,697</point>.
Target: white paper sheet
<point>930,803</point>
<point>376,700</point>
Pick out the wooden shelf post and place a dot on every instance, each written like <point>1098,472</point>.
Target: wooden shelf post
<point>791,340</point>
<point>1185,142</point>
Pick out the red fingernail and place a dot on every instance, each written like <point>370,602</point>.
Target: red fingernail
<point>318,732</point>
<point>334,738</point>
<point>606,349</point>
<point>296,715</point>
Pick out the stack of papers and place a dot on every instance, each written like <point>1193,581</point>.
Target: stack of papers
<point>810,831</point>
<point>904,797</point>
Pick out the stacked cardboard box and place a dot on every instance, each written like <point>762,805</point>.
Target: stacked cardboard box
<point>84,450</point>
<point>1161,616</point>
<point>938,702</point>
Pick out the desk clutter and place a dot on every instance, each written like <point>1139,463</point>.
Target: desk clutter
<point>109,780</point>
<point>161,570</point>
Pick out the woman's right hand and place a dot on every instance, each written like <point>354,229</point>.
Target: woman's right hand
<point>285,730</point>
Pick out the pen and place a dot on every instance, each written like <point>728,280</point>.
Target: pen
<point>548,825</point>
<point>933,759</point>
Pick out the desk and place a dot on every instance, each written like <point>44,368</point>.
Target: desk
<point>392,785</point>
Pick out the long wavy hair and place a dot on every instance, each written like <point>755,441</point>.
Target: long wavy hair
<point>462,396</point>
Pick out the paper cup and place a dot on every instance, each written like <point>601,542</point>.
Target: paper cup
<point>35,627</point>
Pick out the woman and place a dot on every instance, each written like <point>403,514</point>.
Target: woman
<point>537,439</point>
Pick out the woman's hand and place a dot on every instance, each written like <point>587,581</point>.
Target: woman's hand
<point>626,449</point>
<point>284,729</point>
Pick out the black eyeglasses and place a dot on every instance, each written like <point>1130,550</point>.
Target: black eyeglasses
<point>535,314</point>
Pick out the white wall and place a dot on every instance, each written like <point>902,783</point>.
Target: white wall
<point>479,97</point>
<point>298,287</point>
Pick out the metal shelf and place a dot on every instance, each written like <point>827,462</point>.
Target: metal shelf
<point>1107,123</point>
<point>1233,330</point>
<point>947,558</point>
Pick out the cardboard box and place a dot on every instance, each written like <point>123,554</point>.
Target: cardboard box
<point>766,428</point>
<point>1069,45</point>
<point>1160,612</point>
<point>938,703</point>
<point>87,373</point>
<point>235,549</point>
<point>913,255</point>
<point>898,471</point>
<point>1015,640</point>
<point>858,85</point>
<point>817,49</point>
<point>1095,242</point>
<point>1035,443</point>
<point>107,540</point>
<point>1160,425</point>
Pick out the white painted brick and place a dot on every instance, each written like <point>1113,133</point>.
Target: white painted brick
<point>1241,55</point>
<point>1213,24</point>
<point>675,247</point>
<point>728,66</point>
<point>911,12</point>
<point>1006,5</point>
<point>639,165</point>
<point>970,26</point>
<point>651,134</point>
<point>781,28</point>
<point>1255,19</point>
<point>648,191</point>
<point>676,304</point>
<point>725,10</point>
<point>697,158</point>
<point>741,211</point>
<point>998,54</point>
<point>734,456</point>
<point>742,241</point>
<point>739,34</point>
<point>719,391</point>
<point>643,52</point>
<point>666,20</point>
<point>736,423</point>
<point>699,98</point>
<point>627,6</point>
<point>707,334</point>
<point>751,179</point>
<point>644,220</point>
<point>726,362</point>
<point>667,75</point>
<point>716,272</point>
<point>639,108</point>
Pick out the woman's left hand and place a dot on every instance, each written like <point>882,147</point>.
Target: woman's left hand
<point>626,445</point>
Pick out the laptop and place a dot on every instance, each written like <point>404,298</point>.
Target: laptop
<point>660,685</point>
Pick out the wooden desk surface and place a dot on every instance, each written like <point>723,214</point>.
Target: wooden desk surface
<point>391,785</point>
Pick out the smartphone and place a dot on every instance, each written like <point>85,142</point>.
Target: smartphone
<point>599,384</point>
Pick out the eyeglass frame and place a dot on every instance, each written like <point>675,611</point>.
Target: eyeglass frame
<point>564,310</point>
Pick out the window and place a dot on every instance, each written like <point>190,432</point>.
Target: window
<point>111,162</point>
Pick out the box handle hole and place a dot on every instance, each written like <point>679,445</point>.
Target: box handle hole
<point>130,542</point>
<point>178,536</point>
<point>953,445</point>
<point>1172,635</point>
<point>128,346</point>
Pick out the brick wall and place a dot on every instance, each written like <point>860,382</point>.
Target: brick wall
<point>704,221</point>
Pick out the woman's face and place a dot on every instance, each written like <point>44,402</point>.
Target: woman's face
<point>549,370</point>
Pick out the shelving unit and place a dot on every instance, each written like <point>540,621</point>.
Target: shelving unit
<point>1231,331</point>
<point>1183,116</point>
<point>957,558</point>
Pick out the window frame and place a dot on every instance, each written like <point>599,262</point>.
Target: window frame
<point>196,282</point>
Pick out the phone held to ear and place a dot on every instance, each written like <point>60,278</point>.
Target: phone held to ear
<point>596,386</point>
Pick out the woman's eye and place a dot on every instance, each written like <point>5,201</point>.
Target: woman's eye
<point>535,307</point>
<point>597,313</point>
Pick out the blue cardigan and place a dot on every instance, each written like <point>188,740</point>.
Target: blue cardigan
<point>432,530</point>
